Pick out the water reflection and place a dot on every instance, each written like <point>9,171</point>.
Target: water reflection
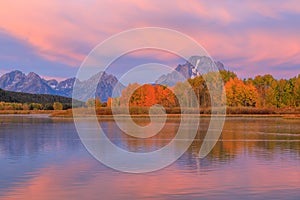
<point>26,136</point>
<point>43,158</point>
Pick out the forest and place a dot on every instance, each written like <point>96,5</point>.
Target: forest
<point>260,93</point>
<point>25,101</point>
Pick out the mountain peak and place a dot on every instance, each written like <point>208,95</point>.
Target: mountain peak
<point>32,83</point>
<point>15,72</point>
<point>195,66</point>
<point>33,75</point>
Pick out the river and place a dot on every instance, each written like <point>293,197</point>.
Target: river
<point>255,158</point>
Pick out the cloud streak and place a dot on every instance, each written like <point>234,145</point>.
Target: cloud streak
<point>261,35</point>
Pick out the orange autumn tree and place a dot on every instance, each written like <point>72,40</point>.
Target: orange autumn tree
<point>143,96</point>
<point>165,96</point>
<point>240,94</point>
<point>147,95</point>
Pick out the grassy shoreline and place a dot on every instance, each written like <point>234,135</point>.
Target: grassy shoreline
<point>26,112</point>
<point>68,114</point>
<point>106,113</point>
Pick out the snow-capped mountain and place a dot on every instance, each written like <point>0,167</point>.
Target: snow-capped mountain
<point>32,83</point>
<point>19,82</point>
<point>195,66</point>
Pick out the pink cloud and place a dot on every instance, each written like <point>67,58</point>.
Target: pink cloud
<point>54,77</point>
<point>58,30</point>
<point>274,9</point>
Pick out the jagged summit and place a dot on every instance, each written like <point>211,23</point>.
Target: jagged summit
<point>18,81</point>
<point>195,66</point>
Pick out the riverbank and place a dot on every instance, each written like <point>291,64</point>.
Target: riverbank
<point>171,113</point>
<point>25,112</point>
<point>89,113</point>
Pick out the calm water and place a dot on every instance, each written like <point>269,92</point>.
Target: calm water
<point>256,158</point>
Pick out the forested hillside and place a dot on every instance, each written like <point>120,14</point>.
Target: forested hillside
<point>20,97</point>
<point>25,101</point>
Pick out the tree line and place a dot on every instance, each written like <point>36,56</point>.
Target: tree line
<point>26,101</point>
<point>34,106</point>
<point>260,92</point>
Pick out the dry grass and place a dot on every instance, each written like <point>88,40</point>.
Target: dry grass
<point>176,112</point>
<point>26,111</point>
<point>62,113</point>
<point>262,111</point>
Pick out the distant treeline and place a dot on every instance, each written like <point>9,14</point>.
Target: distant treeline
<point>25,101</point>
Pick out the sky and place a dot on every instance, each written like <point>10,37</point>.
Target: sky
<point>53,37</point>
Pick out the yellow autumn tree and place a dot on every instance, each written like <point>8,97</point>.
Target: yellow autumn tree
<point>240,94</point>
<point>57,106</point>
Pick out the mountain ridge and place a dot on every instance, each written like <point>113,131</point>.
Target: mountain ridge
<point>18,81</point>
<point>21,97</point>
<point>195,66</point>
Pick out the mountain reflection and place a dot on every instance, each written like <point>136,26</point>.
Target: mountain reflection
<point>43,158</point>
<point>25,136</point>
<point>20,136</point>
